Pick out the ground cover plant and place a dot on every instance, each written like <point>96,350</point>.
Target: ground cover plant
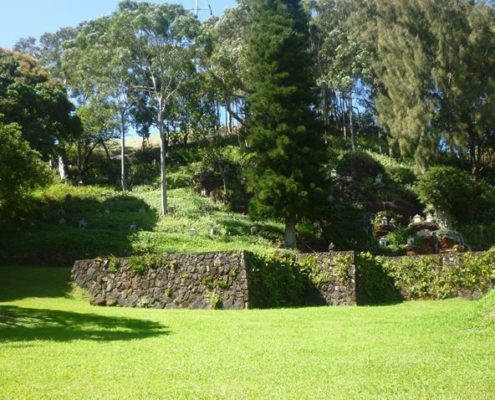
<point>123,225</point>
<point>53,344</point>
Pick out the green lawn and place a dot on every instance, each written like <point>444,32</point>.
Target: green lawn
<point>54,345</point>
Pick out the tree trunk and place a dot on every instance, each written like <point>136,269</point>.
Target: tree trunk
<point>473,155</point>
<point>163,154</point>
<point>344,128</point>
<point>122,155</point>
<point>325,113</point>
<point>351,123</point>
<point>107,152</point>
<point>63,163</point>
<point>290,233</point>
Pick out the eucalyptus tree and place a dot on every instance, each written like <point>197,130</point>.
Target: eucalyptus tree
<point>342,62</point>
<point>28,45</point>
<point>85,64</point>
<point>227,64</point>
<point>97,66</point>
<point>162,44</point>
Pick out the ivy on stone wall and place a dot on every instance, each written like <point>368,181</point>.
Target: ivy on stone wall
<point>374,285</point>
<point>426,277</point>
<point>275,281</point>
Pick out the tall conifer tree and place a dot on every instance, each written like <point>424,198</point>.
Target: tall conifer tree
<point>285,142</point>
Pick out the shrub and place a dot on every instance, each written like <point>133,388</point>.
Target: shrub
<point>438,277</point>
<point>21,168</point>
<point>176,180</point>
<point>402,175</point>
<point>359,165</point>
<point>455,193</point>
<point>143,173</point>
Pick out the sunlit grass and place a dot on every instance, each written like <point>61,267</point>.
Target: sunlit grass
<point>54,345</point>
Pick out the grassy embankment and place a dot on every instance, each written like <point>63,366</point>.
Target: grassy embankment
<point>51,233</point>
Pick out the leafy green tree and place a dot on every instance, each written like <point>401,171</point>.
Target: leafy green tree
<point>21,168</point>
<point>30,97</point>
<point>283,137</point>
<point>455,193</point>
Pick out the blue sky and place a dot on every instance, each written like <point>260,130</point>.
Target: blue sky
<point>23,18</point>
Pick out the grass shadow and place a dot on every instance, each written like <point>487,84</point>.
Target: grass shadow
<point>27,324</point>
<point>21,282</point>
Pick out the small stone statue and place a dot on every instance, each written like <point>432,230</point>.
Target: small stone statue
<point>133,227</point>
<point>83,223</point>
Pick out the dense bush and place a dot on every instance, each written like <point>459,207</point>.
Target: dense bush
<point>402,175</point>
<point>143,173</point>
<point>21,169</point>
<point>456,193</point>
<point>359,165</point>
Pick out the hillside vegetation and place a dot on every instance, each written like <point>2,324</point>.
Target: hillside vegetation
<point>53,231</point>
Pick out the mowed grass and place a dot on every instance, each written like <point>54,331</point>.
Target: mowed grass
<point>54,345</point>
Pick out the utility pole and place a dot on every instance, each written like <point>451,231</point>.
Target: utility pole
<point>196,8</point>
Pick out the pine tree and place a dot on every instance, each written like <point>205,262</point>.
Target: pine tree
<point>283,137</point>
<point>406,104</point>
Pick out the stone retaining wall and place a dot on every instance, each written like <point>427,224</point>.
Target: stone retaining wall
<point>205,280</point>
<point>213,280</point>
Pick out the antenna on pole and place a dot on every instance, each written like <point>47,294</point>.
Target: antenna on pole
<point>196,9</point>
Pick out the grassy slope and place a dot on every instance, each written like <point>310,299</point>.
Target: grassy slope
<point>45,240</point>
<point>53,345</point>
